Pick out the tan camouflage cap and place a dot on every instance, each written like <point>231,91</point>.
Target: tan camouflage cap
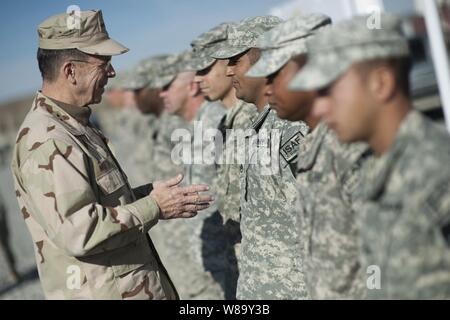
<point>88,34</point>
<point>243,36</point>
<point>206,44</point>
<point>332,52</point>
<point>144,72</point>
<point>169,68</point>
<point>285,41</point>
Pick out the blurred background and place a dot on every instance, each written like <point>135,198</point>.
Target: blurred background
<point>150,27</point>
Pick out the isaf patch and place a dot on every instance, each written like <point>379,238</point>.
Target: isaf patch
<point>289,150</point>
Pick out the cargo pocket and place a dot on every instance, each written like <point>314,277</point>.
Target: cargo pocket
<point>136,272</point>
<point>111,181</point>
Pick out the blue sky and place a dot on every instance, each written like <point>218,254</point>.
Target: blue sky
<point>145,26</point>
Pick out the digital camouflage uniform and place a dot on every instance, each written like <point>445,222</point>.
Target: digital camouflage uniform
<point>270,265</point>
<point>227,199</point>
<point>142,158</point>
<point>157,162</point>
<point>405,221</point>
<point>327,173</point>
<point>403,198</point>
<point>207,238</point>
<point>238,119</point>
<point>207,234</point>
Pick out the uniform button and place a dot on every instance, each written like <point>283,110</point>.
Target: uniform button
<point>242,168</point>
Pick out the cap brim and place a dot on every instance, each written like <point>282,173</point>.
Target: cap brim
<point>135,85</point>
<point>199,64</point>
<point>274,59</point>
<point>228,52</point>
<point>319,73</point>
<point>107,47</point>
<point>161,82</point>
<point>269,63</point>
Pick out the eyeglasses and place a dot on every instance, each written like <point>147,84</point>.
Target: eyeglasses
<point>104,66</point>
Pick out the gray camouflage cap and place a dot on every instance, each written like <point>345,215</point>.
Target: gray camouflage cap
<point>206,44</point>
<point>285,41</point>
<point>169,68</point>
<point>142,75</point>
<point>244,35</point>
<point>332,52</point>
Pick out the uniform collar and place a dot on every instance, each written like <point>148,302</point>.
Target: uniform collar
<point>44,104</point>
<point>379,170</point>
<point>231,114</point>
<point>310,146</point>
<point>261,118</point>
<point>81,114</point>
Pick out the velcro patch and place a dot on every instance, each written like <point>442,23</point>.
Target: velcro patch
<point>446,233</point>
<point>289,150</point>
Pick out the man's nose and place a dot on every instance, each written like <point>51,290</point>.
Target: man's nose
<point>230,71</point>
<point>321,107</point>
<point>268,92</point>
<point>198,78</point>
<point>111,71</point>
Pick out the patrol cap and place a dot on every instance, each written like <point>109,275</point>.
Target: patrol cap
<point>243,36</point>
<point>170,68</point>
<point>142,74</point>
<point>206,44</point>
<point>332,52</point>
<point>134,80</point>
<point>285,41</point>
<point>88,34</point>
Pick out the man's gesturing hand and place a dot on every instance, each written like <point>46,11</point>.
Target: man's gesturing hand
<point>179,202</point>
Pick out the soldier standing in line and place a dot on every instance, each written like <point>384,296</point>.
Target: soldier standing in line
<point>362,75</point>
<point>327,171</point>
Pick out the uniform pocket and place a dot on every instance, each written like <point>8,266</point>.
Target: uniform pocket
<point>136,272</point>
<point>111,181</point>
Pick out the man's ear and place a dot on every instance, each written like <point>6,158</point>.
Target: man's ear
<point>68,70</point>
<point>194,89</point>
<point>382,83</point>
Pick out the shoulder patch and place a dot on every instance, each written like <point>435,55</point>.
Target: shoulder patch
<point>289,150</point>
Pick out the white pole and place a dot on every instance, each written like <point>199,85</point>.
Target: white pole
<point>439,54</point>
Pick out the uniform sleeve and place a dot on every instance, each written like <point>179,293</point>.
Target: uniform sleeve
<point>56,183</point>
<point>419,249</point>
<point>142,191</point>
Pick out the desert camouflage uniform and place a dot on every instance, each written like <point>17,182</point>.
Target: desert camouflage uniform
<point>84,218</point>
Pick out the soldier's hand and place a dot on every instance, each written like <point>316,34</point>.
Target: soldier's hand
<point>179,202</point>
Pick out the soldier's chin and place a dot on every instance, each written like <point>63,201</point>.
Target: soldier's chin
<point>97,98</point>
